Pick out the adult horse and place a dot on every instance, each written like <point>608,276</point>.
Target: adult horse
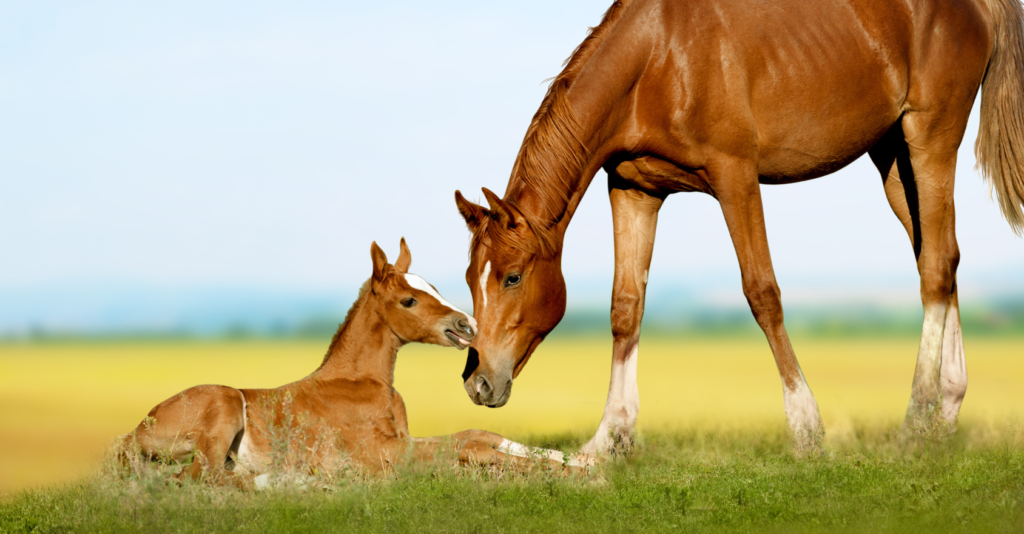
<point>720,96</point>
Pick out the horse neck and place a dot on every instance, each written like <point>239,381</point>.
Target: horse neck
<point>568,140</point>
<point>363,349</point>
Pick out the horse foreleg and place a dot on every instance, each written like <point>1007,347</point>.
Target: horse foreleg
<point>740,197</point>
<point>635,218</point>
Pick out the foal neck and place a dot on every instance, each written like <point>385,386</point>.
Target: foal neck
<point>364,348</point>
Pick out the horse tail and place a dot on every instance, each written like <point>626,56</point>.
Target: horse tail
<point>1000,145</point>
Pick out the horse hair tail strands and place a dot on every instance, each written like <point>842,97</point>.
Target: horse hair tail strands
<point>1000,145</point>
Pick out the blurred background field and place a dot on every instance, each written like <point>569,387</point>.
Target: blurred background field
<point>189,193</point>
<point>61,402</point>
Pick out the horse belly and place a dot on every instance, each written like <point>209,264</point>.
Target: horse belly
<point>810,159</point>
<point>823,92</point>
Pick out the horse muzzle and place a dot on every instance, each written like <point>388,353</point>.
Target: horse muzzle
<point>485,389</point>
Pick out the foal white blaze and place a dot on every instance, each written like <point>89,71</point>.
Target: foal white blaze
<point>417,282</point>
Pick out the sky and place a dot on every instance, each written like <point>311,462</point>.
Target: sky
<point>153,155</point>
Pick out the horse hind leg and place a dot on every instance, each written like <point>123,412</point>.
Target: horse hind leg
<point>918,184</point>
<point>891,156</point>
<point>954,364</point>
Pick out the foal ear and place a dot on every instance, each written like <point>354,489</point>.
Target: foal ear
<point>404,258</point>
<point>471,212</point>
<point>380,262</point>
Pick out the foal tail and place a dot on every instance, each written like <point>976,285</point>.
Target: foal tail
<point>1000,145</point>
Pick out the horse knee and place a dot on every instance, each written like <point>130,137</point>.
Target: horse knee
<point>765,302</point>
<point>627,311</point>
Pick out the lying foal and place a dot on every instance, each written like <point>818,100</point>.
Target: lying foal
<point>347,408</point>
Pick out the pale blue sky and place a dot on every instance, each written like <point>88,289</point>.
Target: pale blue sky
<point>264,145</point>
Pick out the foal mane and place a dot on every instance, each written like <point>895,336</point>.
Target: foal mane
<point>348,316</point>
<point>552,155</point>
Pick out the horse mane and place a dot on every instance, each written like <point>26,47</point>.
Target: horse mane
<point>552,155</point>
<point>344,324</point>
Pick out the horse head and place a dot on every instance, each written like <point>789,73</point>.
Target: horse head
<point>515,277</point>
<point>413,308</point>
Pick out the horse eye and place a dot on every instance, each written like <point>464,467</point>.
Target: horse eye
<point>409,302</point>
<point>512,280</point>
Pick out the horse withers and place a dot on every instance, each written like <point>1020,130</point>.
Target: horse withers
<point>346,413</point>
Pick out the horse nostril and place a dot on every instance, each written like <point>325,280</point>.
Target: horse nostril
<point>483,387</point>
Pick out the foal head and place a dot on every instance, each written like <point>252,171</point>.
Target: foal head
<point>515,276</point>
<point>412,308</point>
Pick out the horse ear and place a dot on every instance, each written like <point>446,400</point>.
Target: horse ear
<point>471,212</point>
<point>404,258</point>
<point>380,262</point>
<point>508,215</point>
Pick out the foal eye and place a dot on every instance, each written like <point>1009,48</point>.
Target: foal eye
<point>409,302</point>
<point>512,279</point>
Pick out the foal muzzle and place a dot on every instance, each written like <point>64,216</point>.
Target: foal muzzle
<point>461,331</point>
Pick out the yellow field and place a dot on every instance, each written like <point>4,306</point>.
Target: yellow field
<point>60,404</point>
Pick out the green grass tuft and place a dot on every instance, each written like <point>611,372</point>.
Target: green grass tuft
<point>698,480</point>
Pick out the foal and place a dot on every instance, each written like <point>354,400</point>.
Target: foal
<point>348,407</point>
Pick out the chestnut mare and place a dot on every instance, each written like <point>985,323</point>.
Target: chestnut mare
<point>720,96</point>
<point>347,406</point>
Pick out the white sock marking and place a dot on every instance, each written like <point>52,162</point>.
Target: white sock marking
<point>930,354</point>
<point>512,448</point>
<point>623,404</point>
<point>801,409</point>
<point>484,277</point>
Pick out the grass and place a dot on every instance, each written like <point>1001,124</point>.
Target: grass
<point>713,455</point>
<point>696,481</point>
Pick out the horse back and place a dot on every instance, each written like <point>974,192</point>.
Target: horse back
<point>803,87</point>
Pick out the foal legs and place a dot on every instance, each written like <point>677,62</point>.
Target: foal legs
<point>635,218</point>
<point>739,193</point>
<point>201,421</point>
<point>919,186</point>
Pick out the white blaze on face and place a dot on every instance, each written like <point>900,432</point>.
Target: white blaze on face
<point>418,282</point>
<point>484,277</point>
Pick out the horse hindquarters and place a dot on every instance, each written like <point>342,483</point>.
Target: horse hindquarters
<point>202,421</point>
